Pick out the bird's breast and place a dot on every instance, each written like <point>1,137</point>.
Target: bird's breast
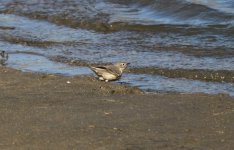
<point>109,76</point>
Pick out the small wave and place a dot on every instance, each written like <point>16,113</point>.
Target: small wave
<point>226,6</point>
<point>168,12</point>
<point>101,15</point>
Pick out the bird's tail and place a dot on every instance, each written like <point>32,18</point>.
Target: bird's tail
<point>93,68</point>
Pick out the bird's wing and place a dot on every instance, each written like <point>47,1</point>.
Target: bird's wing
<point>97,70</point>
<point>110,69</point>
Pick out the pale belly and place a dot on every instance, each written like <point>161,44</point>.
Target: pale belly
<point>108,76</point>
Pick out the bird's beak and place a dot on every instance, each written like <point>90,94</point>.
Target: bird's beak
<point>128,63</point>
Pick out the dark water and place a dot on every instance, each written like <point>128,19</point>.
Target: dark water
<point>172,45</point>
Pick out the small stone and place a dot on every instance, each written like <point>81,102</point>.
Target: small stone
<point>220,132</point>
<point>91,126</point>
<point>187,130</point>
<point>107,113</point>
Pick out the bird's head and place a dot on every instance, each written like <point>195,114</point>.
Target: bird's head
<point>122,65</point>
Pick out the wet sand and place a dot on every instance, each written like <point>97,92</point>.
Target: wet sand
<point>41,111</point>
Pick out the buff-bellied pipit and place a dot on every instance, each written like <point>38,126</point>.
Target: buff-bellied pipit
<point>110,72</point>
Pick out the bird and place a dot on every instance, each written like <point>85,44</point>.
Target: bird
<point>110,72</point>
<point>3,57</point>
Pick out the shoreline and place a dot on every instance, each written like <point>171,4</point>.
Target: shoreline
<point>40,111</point>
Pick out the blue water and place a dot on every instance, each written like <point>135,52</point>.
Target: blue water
<point>148,83</point>
<point>167,34</point>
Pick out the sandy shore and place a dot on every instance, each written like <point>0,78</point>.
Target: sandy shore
<point>54,112</point>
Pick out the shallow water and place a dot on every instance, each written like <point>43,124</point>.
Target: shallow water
<point>163,84</point>
<point>34,63</point>
<point>169,35</point>
<point>149,83</point>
